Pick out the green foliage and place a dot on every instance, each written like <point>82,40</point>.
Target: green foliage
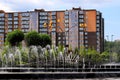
<point>45,40</point>
<point>105,57</point>
<point>60,48</point>
<point>113,46</point>
<point>14,37</point>
<point>34,38</point>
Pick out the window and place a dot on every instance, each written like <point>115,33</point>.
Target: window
<point>1,34</point>
<point>43,13</point>
<point>1,22</point>
<point>66,24</point>
<point>9,15</point>
<point>66,38</point>
<point>53,25</point>
<point>15,14</point>
<point>1,26</point>
<point>66,21</point>
<point>81,20</point>
<point>53,17</point>
<point>25,18</point>
<point>9,18</point>
<point>98,17</point>
<point>81,41</point>
<point>98,13</point>
<point>66,42</point>
<point>41,25</point>
<point>42,21</point>
<point>86,45</point>
<point>97,25</point>
<point>53,13</point>
<point>53,29</point>
<point>25,26</point>
<point>81,12</point>
<point>66,29</point>
<point>25,22</point>
<point>1,30</point>
<point>9,26</point>
<point>1,14</point>
<point>98,21</point>
<point>81,33</point>
<point>44,17</point>
<point>15,22</point>
<point>97,29</point>
<point>43,29</point>
<point>86,37</point>
<point>66,17</point>
<point>98,49</point>
<point>81,16</point>
<point>2,19</point>
<point>86,41</point>
<point>81,28</point>
<point>10,22</point>
<point>59,38</point>
<point>54,21</point>
<point>66,12</point>
<point>86,33</point>
<point>97,33</point>
<point>16,18</point>
<point>15,26</point>
<point>53,33</point>
<point>25,14</point>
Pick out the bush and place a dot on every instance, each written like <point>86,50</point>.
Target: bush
<point>45,40</point>
<point>15,37</point>
<point>34,38</point>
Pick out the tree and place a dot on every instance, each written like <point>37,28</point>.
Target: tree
<point>105,57</point>
<point>15,37</point>
<point>34,38</point>
<point>45,40</point>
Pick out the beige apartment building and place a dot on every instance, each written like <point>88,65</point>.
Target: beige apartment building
<point>75,27</point>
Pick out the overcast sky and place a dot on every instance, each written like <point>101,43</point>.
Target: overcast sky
<point>109,8</point>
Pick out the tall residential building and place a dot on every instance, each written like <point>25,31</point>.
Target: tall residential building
<point>76,27</point>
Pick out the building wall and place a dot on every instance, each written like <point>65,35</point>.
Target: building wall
<point>60,28</point>
<point>91,27</point>
<point>34,21</point>
<point>67,31</point>
<point>2,27</point>
<point>73,28</point>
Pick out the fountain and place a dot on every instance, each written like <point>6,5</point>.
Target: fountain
<point>51,61</point>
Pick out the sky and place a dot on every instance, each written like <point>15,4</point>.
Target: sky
<point>110,10</point>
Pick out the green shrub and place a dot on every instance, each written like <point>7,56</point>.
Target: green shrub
<point>45,40</point>
<point>15,37</point>
<point>32,38</point>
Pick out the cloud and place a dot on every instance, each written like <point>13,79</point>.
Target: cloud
<point>5,7</point>
<point>25,5</point>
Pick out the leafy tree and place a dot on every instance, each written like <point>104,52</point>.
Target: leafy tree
<point>105,57</point>
<point>93,56</point>
<point>45,40</point>
<point>34,38</point>
<point>15,37</point>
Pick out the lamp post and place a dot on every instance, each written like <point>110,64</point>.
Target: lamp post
<point>110,46</point>
<point>58,21</point>
<point>83,25</point>
<point>48,25</point>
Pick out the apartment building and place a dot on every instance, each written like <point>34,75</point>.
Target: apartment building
<point>76,27</point>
